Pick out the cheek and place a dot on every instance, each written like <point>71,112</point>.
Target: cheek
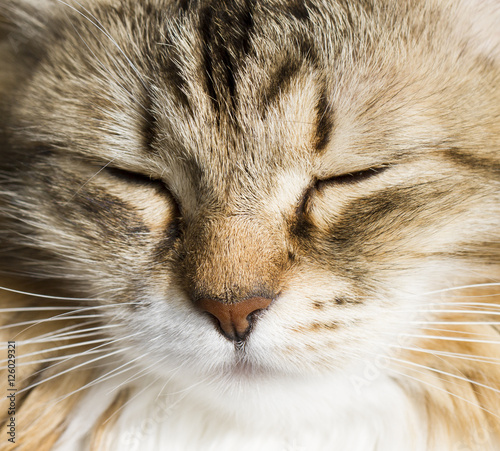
<point>108,223</point>
<point>167,335</point>
<point>308,329</point>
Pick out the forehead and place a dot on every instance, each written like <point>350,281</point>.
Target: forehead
<point>232,89</point>
<point>218,108</point>
<point>255,85</point>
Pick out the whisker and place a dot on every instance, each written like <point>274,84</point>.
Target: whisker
<point>133,397</point>
<point>82,354</point>
<point>473,312</point>
<point>128,363</point>
<point>35,309</point>
<point>463,287</point>
<point>87,182</point>
<point>30,387</point>
<point>137,375</point>
<point>44,296</point>
<point>76,334</point>
<point>445,391</point>
<point>437,337</point>
<point>445,373</point>
<point>63,316</point>
<point>458,323</point>
<point>35,322</point>
<point>53,359</point>
<point>64,330</point>
<point>482,359</point>
<point>53,402</point>
<point>59,348</point>
<point>183,390</point>
<point>186,390</point>
<point>454,331</point>
<point>454,304</point>
<point>100,379</point>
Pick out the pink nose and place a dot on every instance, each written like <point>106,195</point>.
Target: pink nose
<point>234,318</point>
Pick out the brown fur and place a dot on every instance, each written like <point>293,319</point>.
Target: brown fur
<point>338,151</point>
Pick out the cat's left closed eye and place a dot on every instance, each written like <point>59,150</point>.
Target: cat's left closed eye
<point>351,177</point>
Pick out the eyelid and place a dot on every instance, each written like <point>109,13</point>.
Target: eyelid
<point>350,178</point>
<point>137,178</point>
<point>130,176</point>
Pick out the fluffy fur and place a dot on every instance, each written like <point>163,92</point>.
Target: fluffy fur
<point>340,158</point>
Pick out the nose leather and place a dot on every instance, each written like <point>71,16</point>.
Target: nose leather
<point>234,318</point>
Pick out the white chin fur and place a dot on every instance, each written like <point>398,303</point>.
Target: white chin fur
<point>331,413</point>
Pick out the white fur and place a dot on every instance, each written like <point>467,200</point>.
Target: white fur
<point>204,404</point>
<point>329,413</point>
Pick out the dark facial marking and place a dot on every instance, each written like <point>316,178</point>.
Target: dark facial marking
<point>225,31</point>
<point>323,326</point>
<point>149,125</point>
<point>172,73</point>
<point>324,123</point>
<point>470,161</point>
<point>280,80</point>
<point>344,301</point>
<point>168,246</point>
<point>298,9</point>
<point>110,214</point>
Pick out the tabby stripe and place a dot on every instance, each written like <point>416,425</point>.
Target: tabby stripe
<point>224,47</point>
<point>280,81</point>
<point>298,9</point>
<point>173,74</point>
<point>149,125</point>
<point>360,217</point>
<point>205,32</point>
<point>324,122</point>
<point>474,162</point>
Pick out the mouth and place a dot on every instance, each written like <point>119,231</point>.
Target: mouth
<point>242,363</point>
<point>240,347</point>
<point>246,370</point>
<point>245,365</point>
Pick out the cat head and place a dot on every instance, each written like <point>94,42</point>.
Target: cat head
<point>269,187</point>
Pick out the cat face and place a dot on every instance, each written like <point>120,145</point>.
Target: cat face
<point>173,160</point>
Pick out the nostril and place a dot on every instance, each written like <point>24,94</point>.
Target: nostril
<point>235,319</point>
<point>216,321</point>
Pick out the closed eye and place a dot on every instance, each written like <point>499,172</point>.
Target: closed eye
<point>138,179</point>
<point>131,177</point>
<point>350,178</point>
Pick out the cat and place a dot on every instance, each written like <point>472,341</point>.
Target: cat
<point>250,224</point>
